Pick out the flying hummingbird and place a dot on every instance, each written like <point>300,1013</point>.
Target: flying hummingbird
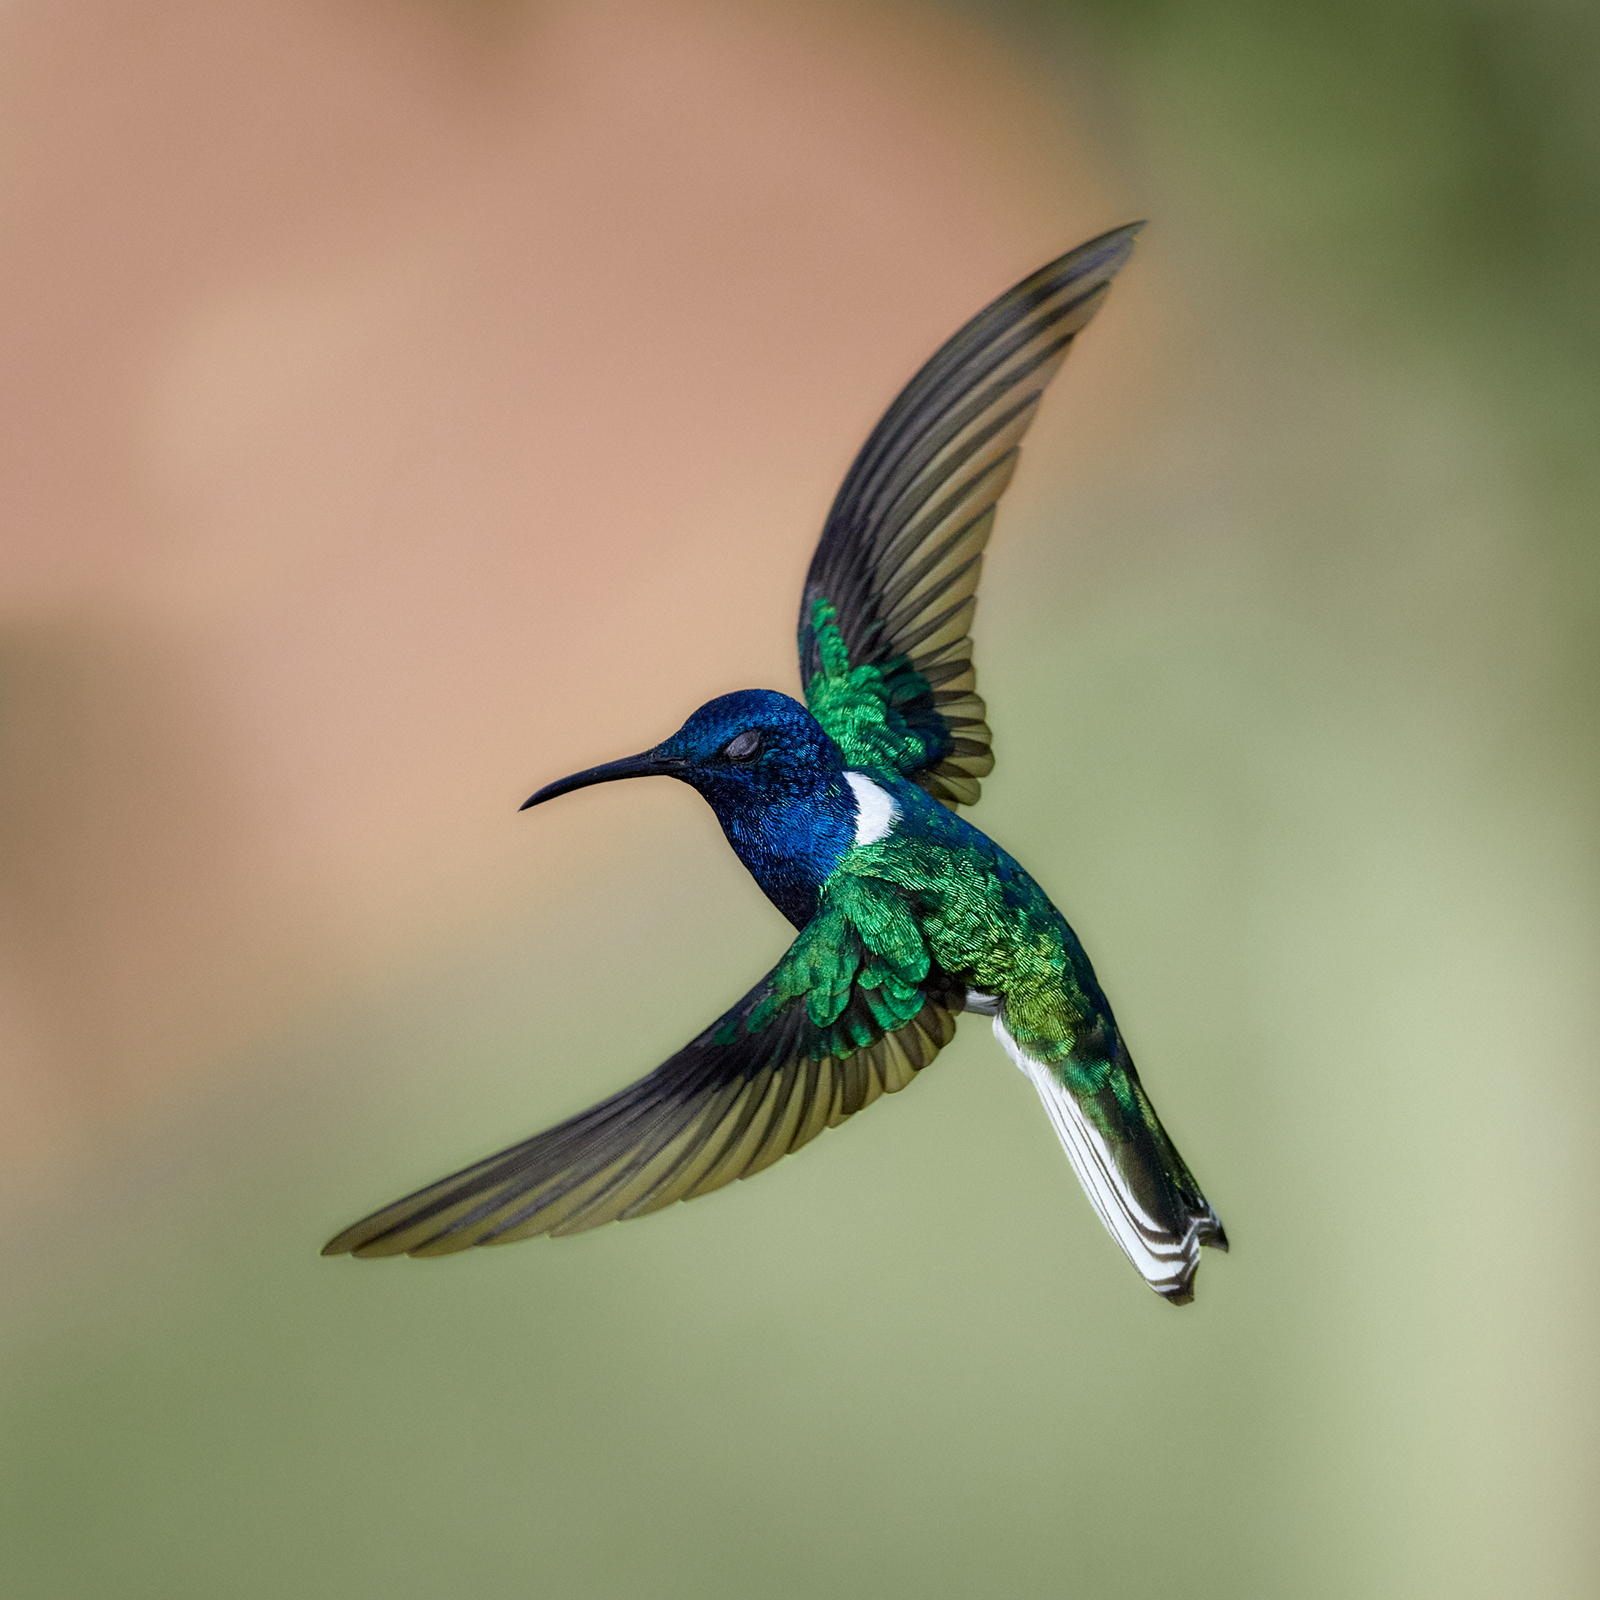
<point>845,811</point>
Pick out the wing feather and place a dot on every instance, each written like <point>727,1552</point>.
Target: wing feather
<point>760,1083</point>
<point>893,584</point>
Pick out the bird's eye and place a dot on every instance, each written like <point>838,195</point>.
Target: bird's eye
<point>744,747</point>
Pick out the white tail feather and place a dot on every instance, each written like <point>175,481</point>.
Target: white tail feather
<point>1165,1260</point>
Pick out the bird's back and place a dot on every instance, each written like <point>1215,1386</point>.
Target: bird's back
<point>985,919</point>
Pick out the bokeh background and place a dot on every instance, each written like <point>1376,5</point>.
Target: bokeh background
<point>408,402</point>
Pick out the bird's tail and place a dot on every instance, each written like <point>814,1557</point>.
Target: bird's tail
<point>1129,1168</point>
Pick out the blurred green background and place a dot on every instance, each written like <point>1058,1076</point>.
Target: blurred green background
<point>1298,725</point>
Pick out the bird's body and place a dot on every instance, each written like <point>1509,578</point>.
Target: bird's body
<point>844,812</point>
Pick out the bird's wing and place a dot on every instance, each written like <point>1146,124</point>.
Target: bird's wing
<point>846,1016</point>
<point>885,656</point>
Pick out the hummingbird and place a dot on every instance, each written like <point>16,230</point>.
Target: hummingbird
<point>846,811</point>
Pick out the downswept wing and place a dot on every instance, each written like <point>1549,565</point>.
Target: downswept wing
<point>832,1027</point>
<point>885,655</point>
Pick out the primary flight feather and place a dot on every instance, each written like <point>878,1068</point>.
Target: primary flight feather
<point>844,810</point>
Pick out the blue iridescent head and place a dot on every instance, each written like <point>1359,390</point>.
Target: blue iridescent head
<point>774,779</point>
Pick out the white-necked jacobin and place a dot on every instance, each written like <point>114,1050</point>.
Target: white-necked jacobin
<point>844,810</point>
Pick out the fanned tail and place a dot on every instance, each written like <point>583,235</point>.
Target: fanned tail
<point>1129,1168</point>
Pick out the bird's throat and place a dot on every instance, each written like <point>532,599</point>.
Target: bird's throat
<point>791,845</point>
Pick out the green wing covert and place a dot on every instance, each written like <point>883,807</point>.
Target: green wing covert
<point>885,653</point>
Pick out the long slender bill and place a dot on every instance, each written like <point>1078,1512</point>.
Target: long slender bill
<point>651,763</point>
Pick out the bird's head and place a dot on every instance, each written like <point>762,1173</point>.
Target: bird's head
<point>744,752</point>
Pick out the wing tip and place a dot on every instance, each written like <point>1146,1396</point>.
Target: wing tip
<point>1126,230</point>
<point>357,1246</point>
<point>345,1243</point>
<point>382,1235</point>
<point>1097,260</point>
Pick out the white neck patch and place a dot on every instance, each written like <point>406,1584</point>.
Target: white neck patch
<point>876,811</point>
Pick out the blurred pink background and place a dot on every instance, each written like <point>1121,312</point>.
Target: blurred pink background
<point>408,403</point>
<point>390,391</point>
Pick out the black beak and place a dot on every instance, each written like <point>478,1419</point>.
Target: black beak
<point>650,764</point>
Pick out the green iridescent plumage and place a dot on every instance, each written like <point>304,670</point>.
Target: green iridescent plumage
<point>864,708</point>
<point>981,918</point>
<point>984,918</point>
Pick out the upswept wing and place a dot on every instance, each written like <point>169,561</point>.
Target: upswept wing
<point>885,655</point>
<point>835,1025</point>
